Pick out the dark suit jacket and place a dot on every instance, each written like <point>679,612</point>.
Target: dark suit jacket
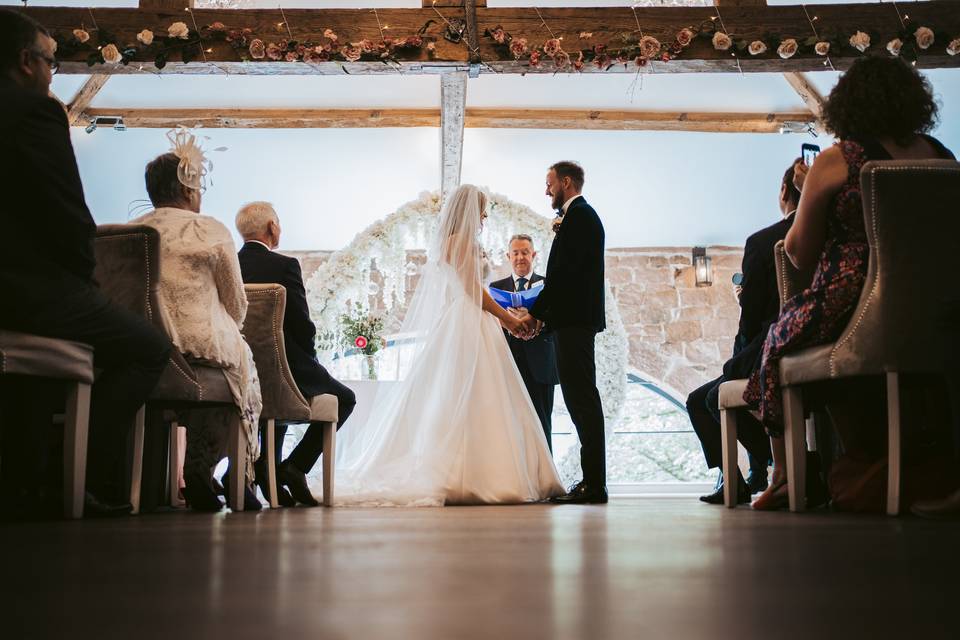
<point>539,353</point>
<point>759,299</point>
<point>259,265</point>
<point>574,295</point>
<point>49,230</point>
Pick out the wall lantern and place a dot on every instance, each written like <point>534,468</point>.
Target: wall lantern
<point>701,267</point>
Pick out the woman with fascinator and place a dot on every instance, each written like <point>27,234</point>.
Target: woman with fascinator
<point>460,427</point>
<point>203,306</point>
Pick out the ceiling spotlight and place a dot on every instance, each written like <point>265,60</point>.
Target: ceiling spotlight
<point>793,126</point>
<point>106,121</point>
<point>92,126</point>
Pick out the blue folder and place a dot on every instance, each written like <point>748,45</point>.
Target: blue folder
<point>514,299</point>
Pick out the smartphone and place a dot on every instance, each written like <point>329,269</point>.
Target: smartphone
<point>809,153</point>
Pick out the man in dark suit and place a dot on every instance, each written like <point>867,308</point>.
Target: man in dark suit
<point>759,308</point>
<point>571,305</point>
<point>47,263</point>
<point>535,358</point>
<point>259,225</point>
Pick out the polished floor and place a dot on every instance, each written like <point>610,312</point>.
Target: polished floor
<point>637,568</point>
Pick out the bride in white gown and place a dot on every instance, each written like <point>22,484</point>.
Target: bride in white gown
<point>460,428</point>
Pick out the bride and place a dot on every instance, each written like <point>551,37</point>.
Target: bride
<point>460,428</point>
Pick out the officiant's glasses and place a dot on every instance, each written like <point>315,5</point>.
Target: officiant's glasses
<point>54,64</point>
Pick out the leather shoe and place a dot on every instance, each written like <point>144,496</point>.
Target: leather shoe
<point>743,493</point>
<point>284,499</point>
<point>250,500</point>
<point>583,494</point>
<point>296,481</point>
<point>94,507</point>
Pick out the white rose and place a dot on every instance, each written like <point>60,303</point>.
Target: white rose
<point>822,48</point>
<point>81,35</point>
<point>787,48</point>
<point>860,41</point>
<point>894,46</point>
<point>178,30</point>
<point>146,37</point>
<point>954,47</point>
<point>757,47</point>
<point>924,37</point>
<point>721,41</point>
<point>111,55</point>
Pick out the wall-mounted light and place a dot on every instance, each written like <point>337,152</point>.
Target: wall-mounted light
<point>106,121</point>
<point>702,269</point>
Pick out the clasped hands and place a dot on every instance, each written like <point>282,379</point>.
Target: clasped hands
<point>526,327</point>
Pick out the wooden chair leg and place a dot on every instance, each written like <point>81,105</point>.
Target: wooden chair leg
<point>728,437</point>
<point>136,474</point>
<point>894,452</point>
<point>173,466</point>
<point>75,431</point>
<point>237,452</point>
<point>271,429</point>
<point>795,435</point>
<point>329,457</point>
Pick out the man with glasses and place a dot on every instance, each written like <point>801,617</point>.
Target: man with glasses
<point>46,274</point>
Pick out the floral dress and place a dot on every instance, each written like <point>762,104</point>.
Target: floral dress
<point>819,314</point>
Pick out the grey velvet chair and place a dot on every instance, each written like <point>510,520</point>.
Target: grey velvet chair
<point>72,362</point>
<point>790,282</point>
<point>282,400</point>
<point>913,228</point>
<point>128,270</point>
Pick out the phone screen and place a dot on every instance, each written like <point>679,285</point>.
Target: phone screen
<point>809,153</point>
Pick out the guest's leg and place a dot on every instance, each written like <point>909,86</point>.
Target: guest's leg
<point>578,383</point>
<point>705,424</point>
<point>308,450</point>
<point>751,435</point>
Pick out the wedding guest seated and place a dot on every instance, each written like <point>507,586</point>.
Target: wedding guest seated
<point>759,308</point>
<point>204,304</point>
<point>880,109</point>
<point>46,272</point>
<point>259,226</point>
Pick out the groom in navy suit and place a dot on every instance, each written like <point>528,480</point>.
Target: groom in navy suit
<point>535,358</point>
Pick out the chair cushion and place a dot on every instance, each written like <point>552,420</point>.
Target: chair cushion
<point>731,394</point>
<point>324,408</point>
<point>30,355</point>
<point>809,365</point>
<point>183,382</point>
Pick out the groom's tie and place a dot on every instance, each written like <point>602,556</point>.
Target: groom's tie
<point>521,284</point>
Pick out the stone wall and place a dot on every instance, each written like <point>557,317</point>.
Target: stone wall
<point>680,334</point>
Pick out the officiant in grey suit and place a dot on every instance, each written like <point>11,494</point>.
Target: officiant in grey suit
<point>535,358</point>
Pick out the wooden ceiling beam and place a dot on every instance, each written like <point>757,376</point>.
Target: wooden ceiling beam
<point>85,96</point>
<point>571,119</point>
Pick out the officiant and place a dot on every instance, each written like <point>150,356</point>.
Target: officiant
<point>535,358</point>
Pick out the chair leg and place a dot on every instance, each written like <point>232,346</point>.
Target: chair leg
<point>173,466</point>
<point>136,474</point>
<point>237,452</point>
<point>329,456</point>
<point>795,435</point>
<point>272,464</point>
<point>75,431</point>
<point>728,436</point>
<point>894,452</point>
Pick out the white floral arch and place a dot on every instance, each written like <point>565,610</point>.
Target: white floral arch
<point>345,279</point>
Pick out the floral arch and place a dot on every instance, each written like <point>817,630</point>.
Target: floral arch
<point>346,279</point>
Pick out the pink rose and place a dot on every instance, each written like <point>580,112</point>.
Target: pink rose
<point>330,35</point>
<point>499,35</point>
<point>787,48</point>
<point>954,47</point>
<point>80,35</point>
<point>894,46</point>
<point>721,41</point>
<point>822,48</point>
<point>291,56</point>
<point>757,47</point>
<point>562,59</point>
<point>351,53</point>
<point>518,47</point>
<point>367,45</point>
<point>685,37</point>
<point>551,47</point>
<point>257,49</point>
<point>649,46</point>
<point>534,58</point>
<point>218,26</point>
<point>274,52</point>
<point>924,37</point>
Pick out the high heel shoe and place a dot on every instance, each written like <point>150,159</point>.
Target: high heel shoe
<point>774,498</point>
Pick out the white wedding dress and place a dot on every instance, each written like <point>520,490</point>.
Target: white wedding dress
<point>460,427</point>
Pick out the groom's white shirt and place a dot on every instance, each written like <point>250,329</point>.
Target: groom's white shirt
<point>566,205</point>
<point>516,287</point>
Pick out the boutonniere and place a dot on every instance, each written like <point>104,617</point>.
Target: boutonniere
<point>557,221</point>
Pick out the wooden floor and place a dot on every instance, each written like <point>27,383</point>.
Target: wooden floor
<point>637,568</point>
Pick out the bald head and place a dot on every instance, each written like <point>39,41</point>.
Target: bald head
<point>259,221</point>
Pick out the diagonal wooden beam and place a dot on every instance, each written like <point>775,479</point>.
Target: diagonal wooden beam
<point>808,93</point>
<point>81,101</point>
<point>453,104</point>
<point>569,119</point>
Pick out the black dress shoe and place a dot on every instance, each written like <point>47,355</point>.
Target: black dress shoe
<point>284,499</point>
<point>200,494</point>
<point>743,493</point>
<point>757,481</point>
<point>94,507</point>
<point>296,481</point>
<point>583,494</point>
<point>250,500</point>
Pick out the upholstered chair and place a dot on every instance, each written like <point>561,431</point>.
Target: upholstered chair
<point>128,270</point>
<point>911,217</point>
<point>282,401</point>
<point>72,362</point>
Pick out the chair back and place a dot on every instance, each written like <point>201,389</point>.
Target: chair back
<point>790,280</point>
<point>263,331</point>
<point>912,217</point>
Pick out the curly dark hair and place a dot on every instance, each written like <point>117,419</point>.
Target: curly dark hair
<point>880,97</point>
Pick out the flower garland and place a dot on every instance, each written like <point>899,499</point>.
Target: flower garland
<point>343,283</point>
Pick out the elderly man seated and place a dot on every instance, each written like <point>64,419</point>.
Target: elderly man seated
<point>259,226</point>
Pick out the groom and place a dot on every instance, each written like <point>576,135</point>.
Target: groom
<point>571,304</point>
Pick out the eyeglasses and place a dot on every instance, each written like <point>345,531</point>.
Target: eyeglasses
<point>54,64</point>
